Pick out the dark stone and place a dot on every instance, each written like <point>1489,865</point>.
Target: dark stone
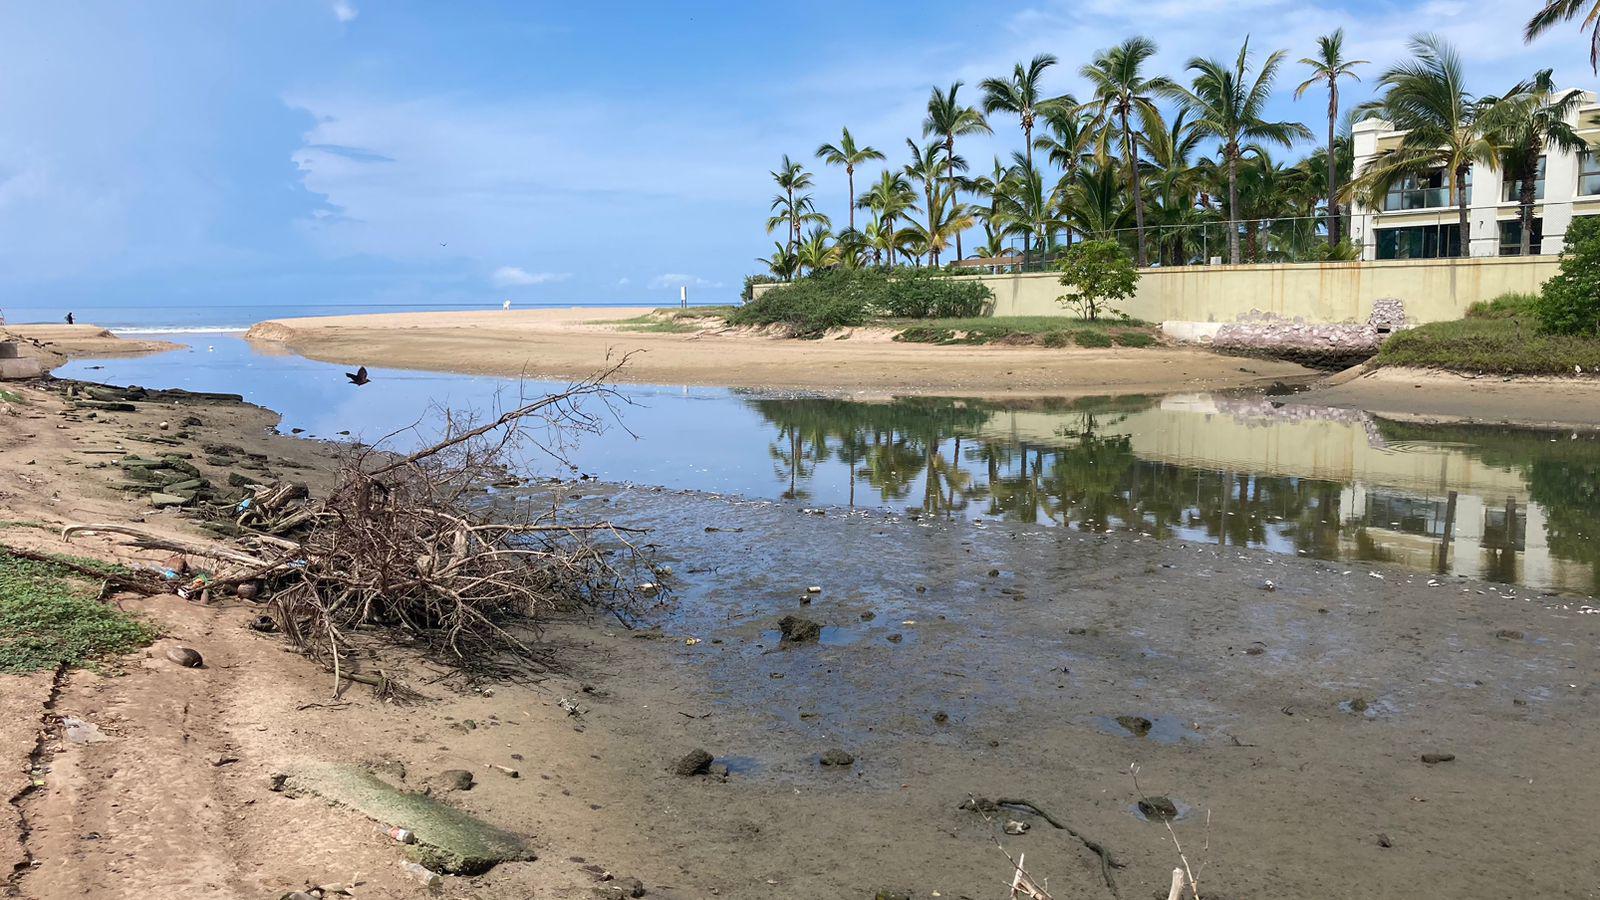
<point>1509,634</point>
<point>994,573</point>
<point>247,590</point>
<point>188,657</point>
<point>1138,725</point>
<point>868,616</point>
<point>941,717</point>
<point>1158,808</point>
<point>1358,705</point>
<point>894,638</point>
<point>451,780</point>
<point>1384,840</point>
<point>1433,758</point>
<point>837,757</point>
<point>620,888</point>
<point>892,895</point>
<point>695,762</point>
<point>797,630</point>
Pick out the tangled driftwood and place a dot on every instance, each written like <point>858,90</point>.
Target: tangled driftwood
<point>404,550</point>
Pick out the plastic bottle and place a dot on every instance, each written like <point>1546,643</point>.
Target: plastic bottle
<point>423,874</point>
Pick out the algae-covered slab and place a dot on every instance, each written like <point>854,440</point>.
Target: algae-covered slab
<point>448,840</point>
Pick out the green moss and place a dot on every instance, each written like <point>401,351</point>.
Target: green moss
<point>50,617</point>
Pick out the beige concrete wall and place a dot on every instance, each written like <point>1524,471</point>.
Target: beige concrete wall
<point>1433,289</point>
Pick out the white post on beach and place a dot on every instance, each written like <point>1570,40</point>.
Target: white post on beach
<point>683,296</point>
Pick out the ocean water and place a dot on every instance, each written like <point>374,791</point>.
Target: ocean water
<point>1516,506</point>
<point>192,319</point>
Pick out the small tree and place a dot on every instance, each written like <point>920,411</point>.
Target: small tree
<point>1570,301</point>
<point>1099,273</point>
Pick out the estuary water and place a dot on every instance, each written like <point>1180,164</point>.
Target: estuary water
<point>1516,506</point>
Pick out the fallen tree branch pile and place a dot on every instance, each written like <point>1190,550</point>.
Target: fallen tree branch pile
<point>405,551</point>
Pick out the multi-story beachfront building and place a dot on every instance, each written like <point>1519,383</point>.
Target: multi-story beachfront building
<point>1417,219</point>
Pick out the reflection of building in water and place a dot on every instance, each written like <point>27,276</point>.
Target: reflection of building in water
<point>1434,506</point>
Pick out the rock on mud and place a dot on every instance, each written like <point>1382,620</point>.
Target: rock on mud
<point>1137,725</point>
<point>798,630</point>
<point>619,888</point>
<point>837,757</point>
<point>1434,757</point>
<point>695,762</point>
<point>188,657</point>
<point>1158,808</point>
<point>451,780</point>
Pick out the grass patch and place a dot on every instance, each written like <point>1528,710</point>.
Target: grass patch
<point>50,617</point>
<point>1045,331</point>
<point>10,397</point>
<point>1491,343</point>
<point>674,319</point>
<point>1505,306</point>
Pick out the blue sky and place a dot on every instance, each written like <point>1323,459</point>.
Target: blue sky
<point>352,151</point>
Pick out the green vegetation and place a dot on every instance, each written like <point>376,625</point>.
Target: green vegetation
<point>674,319</point>
<point>842,298</point>
<point>1099,273</point>
<point>1493,339</point>
<point>1047,331</point>
<point>1505,306</point>
<point>1570,301</point>
<point>9,397</point>
<point>1174,170</point>
<point>50,617</point>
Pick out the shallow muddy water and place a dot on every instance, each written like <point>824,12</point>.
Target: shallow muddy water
<point>1509,505</point>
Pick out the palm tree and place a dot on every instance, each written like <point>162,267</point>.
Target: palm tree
<point>1019,95</point>
<point>1327,67</point>
<point>792,206</point>
<point>1426,100</point>
<point>1565,11</point>
<point>1527,121</point>
<point>1030,206</point>
<point>888,199</point>
<point>847,154</point>
<point>1228,106</point>
<point>927,168</point>
<point>1070,137</point>
<point>781,263</point>
<point>1121,91</point>
<point>815,251</point>
<point>948,118</point>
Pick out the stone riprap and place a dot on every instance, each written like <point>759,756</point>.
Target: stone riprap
<point>1322,344</point>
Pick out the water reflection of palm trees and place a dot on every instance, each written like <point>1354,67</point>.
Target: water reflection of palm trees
<point>943,457</point>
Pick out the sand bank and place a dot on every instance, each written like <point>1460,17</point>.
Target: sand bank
<point>572,343</point>
<point>55,344</point>
<point>1446,396</point>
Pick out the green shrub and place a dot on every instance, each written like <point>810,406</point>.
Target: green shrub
<point>1056,338</point>
<point>1087,338</point>
<point>1134,338</point>
<point>843,298</point>
<point>1570,301</point>
<point>1099,274</point>
<point>925,334</point>
<point>1505,306</point>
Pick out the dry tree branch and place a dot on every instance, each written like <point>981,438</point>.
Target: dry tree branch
<point>1187,871</point>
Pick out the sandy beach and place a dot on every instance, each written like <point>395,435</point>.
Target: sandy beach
<point>1450,397</point>
<point>573,343</point>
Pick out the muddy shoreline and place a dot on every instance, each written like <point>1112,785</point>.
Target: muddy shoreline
<point>956,659</point>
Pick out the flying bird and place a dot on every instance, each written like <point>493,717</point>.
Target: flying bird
<point>358,377</point>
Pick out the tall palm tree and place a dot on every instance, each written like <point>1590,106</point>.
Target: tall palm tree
<point>1019,95</point>
<point>1122,91</point>
<point>1031,206</point>
<point>889,198</point>
<point>815,251</point>
<point>1327,67</point>
<point>1555,11</point>
<point>781,263</point>
<point>947,118</point>
<point>1524,123</point>
<point>1440,123</point>
<point>846,153</point>
<point>1228,105</point>
<point>793,206</point>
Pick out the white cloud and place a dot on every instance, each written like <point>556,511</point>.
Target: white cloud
<point>624,281</point>
<point>678,279</point>
<point>516,276</point>
<point>344,11</point>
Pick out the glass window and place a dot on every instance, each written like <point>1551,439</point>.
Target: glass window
<point>1419,242</point>
<point>1428,190</point>
<point>1511,188</point>
<point>1589,173</point>
<point>1511,237</point>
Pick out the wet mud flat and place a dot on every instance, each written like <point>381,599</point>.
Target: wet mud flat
<point>1286,706</point>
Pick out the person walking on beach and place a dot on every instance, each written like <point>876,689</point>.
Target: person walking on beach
<point>69,319</point>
